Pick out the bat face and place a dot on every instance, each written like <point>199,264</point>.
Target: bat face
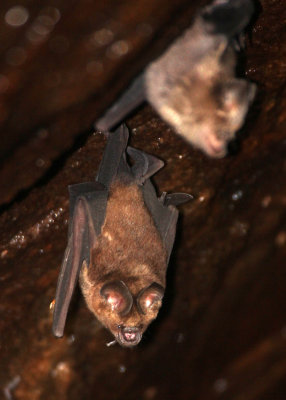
<point>125,312</point>
<point>211,127</point>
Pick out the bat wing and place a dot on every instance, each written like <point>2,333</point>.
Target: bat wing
<point>144,166</point>
<point>83,231</point>
<point>113,162</point>
<point>163,210</point>
<point>128,102</point>
<point>87,214</point>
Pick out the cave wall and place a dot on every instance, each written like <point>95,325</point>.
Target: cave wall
<point>221,332</point>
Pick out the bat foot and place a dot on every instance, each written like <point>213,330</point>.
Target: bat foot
<point>174,199</point>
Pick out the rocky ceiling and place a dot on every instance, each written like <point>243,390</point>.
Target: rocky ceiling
<point>222,330</point>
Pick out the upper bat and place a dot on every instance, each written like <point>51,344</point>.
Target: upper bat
<point>192,85</point>
<point>119,243</point>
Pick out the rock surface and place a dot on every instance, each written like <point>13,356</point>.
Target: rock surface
<point>222,330</point>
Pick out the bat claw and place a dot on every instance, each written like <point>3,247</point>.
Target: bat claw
<point>112,343</point>
<point>174,199</point>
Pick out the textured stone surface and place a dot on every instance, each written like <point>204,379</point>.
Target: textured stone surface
<point>222,332</point>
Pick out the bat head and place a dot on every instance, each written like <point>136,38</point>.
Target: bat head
<point>233,99</point>
<point>128,315</point>
<point>212,127</point>
<point>125,310</point>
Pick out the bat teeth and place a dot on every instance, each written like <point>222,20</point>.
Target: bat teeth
<point>130,336</point>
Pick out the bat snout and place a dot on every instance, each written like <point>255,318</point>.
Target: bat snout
<point>214,146</point>
<point>129,336</point>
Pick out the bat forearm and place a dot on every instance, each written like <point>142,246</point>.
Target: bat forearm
<point>128,102</point>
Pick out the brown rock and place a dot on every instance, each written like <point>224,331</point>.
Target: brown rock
<point>221,333</point>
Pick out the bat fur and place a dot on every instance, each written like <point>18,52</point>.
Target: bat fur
<point>193,86</point>
<point>129,250</point>
<point>119,243</point>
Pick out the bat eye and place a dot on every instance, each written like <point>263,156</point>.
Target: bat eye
<point>150,298</point>
<point>117,295</point>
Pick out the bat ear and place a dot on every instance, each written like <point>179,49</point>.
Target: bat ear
<point>145,165</point>
<point>149,297</point>
<point>174,199</point>
<point>117,294</point>
<point>237,91</point>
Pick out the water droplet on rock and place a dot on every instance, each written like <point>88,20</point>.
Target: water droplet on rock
<point>16,16</point>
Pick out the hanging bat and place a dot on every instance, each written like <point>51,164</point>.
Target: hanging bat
<point>192,85</point>
<point>119,243</point>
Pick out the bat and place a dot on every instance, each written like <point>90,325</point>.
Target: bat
<point>193,86</point>
<point>119,242</point>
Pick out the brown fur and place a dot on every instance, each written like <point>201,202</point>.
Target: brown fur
<point>129,249</point>
<point>182,86</point>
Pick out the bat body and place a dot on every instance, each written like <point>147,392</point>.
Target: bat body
<point>120,239</point>
<point>192,85</point>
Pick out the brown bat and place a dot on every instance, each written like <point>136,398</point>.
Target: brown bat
<point>119,243</point>
<point>192,85</point>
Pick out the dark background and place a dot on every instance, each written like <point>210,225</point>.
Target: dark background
<point>222,330</point>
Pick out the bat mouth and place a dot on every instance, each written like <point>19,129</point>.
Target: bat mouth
<point>215,147</point>
<point>129,336</point>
